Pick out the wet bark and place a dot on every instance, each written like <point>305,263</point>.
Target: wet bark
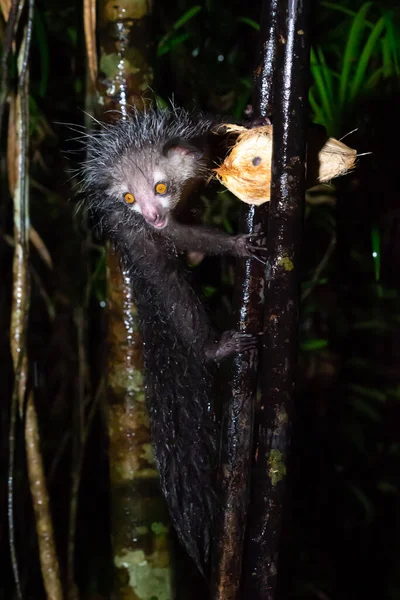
<point>238,418</point>
<point>140,538</point>
<point>18,178</point>
<point>282,294</point>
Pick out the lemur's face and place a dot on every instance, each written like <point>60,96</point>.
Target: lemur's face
<point>145,164</point>
<point>152,183</point>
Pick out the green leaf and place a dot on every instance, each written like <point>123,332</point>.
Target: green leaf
<point>310,284</point>
<point>246,82</point>
<point>159,528</point>
<point>313,345</point>
<point>375,78</point>
<point>364,408</point>
<point>172,43</point>
<point>227,225</point>
<point>346,11</point>
<point>365,58</point>
<point>320,76</point>
<point>160,102</point>
<point>392,38</point>
<point>327,74</point>
<point>372,393</point>
<point>387,65</point>
<point>386,487</point>
<point>318,116</point>
<point>189,14</point>
<point>208,291</point>
<point>340,8</point>
<point>73,35</point>
<point>351,51</point>
<point>249,22</point>
<point>168,42</point>
<point>373,324</point>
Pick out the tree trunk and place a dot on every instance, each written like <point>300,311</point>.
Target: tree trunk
<point>140,537</point>
<point>274,418</point>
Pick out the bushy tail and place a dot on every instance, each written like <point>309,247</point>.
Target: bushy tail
<point>184,436</point>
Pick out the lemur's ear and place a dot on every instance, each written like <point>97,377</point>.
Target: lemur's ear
<point>184,148</point>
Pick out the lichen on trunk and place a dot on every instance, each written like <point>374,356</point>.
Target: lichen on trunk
<point>139,520</point>
<point>140,527</point>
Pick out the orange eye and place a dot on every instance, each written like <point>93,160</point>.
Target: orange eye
<point>129,198</point>
<point>161,188</point>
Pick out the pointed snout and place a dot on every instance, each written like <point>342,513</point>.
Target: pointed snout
<point>155,216</point>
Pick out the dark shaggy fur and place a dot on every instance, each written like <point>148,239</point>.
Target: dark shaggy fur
<point>178,344</point>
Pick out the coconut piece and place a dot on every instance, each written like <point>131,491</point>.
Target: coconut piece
<point>246,171</point>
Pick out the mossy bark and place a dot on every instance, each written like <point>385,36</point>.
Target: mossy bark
<point>141,550</point>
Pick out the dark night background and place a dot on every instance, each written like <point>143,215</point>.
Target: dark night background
<point>341,537</point>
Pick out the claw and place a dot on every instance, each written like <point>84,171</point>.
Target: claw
<point>253,253</point>
<point>258,248</point>
<point>246,346</point>
<point>242,341</point>
<point>250,249</point>
<point>259,234</point>
<point>233,342</point>
<point>250,343</point>
<point>258,258</point>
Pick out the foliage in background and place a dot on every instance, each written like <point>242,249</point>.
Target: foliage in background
<point>369,58</point>
<point>347,442</point>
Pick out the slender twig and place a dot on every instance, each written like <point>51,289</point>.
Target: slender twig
<point>89,21</point>
<point>12,20</point>
<point>23,92</point>
<point>80,435</point>
<point>18,341</point>
<point>10,490</point>
<point>20,303</point>
<point>44,527</point>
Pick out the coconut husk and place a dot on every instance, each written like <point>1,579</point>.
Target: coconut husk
<point>246,171</point>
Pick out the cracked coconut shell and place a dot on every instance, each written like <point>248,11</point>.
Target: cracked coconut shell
<point>246,171</point>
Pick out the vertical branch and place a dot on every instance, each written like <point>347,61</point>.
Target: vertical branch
<point>11,14</point>
<point>20,293</point>
<point>237,424</point>
<point>19,327</point>
<point>138,513</point>
<point>80,433</point>
<point>280,335</point>
<point>20,303</point>
<point>265,69</point>
<point>44,526</point>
